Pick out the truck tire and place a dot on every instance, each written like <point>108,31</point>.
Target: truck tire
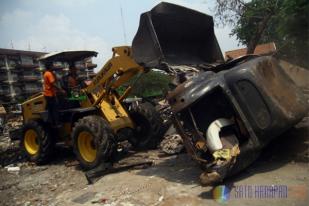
<point>36,142</point>
<point>93,141</point>
<point>149,126</point>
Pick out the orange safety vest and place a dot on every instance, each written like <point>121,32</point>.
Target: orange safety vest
<point>49,79</point>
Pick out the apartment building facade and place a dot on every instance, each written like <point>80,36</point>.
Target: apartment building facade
<point>21,74</point>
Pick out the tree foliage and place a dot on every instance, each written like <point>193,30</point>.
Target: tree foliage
<point>153,83</point>
<point>292,32</point>
<point>256,21</point>
<point>259,21</point>
<point>227,12</point>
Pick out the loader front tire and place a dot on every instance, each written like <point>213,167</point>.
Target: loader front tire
<point>93,141</point>
<point>149,126</point>
<point>37,142</point>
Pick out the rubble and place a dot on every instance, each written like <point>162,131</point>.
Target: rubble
<point>172,144</point>
<point>13,123</point>
<point>12,169</point>
<point>165,112</point>
<point>9,150</point>
<point>161,184</point>
<point>2,118</point>
<point>5,142</point>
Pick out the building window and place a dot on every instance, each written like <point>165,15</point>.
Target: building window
<point>26,60</point>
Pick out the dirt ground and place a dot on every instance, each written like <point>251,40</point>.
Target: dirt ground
<point>172,180</point>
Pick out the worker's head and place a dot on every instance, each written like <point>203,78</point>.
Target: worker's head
<point>72,69</point>
<point>48,65</point>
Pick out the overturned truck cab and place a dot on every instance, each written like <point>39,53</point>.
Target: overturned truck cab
<point>226,118</point>
<point>227,111</point>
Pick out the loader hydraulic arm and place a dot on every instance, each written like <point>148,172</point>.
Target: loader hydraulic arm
<point>118,70</point>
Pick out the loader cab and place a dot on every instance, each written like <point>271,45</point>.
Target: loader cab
<point>64,65</point>
<point>34,107</point>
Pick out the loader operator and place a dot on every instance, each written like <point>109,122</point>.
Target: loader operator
<point>50,92</point>
<point>70,81</point>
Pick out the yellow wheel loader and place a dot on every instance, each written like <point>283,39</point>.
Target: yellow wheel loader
<point>99,121</point>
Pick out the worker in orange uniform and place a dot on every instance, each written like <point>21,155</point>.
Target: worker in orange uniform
<point>50,92</point>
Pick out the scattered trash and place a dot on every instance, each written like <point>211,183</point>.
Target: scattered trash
<point>9,152</point>
<point>11,125</point>
<point>100,201</point>
<point>222,154</point>
<point>71,163</point>
<point>172,144</point>
<point>12,169</point>
<point>14,122</point>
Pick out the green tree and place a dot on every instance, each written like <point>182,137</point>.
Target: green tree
<point>256,21</point>
<point>250,19</point>
<point>292,32</point>
<point>259,21</point>
<point>153,83</point>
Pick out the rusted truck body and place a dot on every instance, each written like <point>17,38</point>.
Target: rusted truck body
<point>226,112</point>
<point>256,98</point>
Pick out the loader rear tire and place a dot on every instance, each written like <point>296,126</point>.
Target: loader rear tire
<point>149,126</point>
<point>37,142</point>
<point>93,141</point>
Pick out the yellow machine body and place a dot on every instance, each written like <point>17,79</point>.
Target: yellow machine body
<point>100,93</point>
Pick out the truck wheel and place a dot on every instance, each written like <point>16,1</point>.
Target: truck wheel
<point>36,142</point>
<point>149,126</point>
<point>93,141</point>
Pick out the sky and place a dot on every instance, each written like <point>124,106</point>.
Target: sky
<point>56,25</point>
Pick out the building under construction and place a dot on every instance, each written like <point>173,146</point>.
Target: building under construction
<point>21,74</point>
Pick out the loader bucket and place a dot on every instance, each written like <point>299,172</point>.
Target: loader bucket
<point>175,35</point>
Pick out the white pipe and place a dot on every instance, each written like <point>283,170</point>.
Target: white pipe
<point>213,139</point>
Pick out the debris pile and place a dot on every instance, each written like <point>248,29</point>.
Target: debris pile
<point>4,142</point>
<point>172,144</point>
<point>13,169</point>
<point>9,150</point>
<point>165,111</point>
<point>14,122</point>
<point>9,153</point>
<point>2,118</point>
